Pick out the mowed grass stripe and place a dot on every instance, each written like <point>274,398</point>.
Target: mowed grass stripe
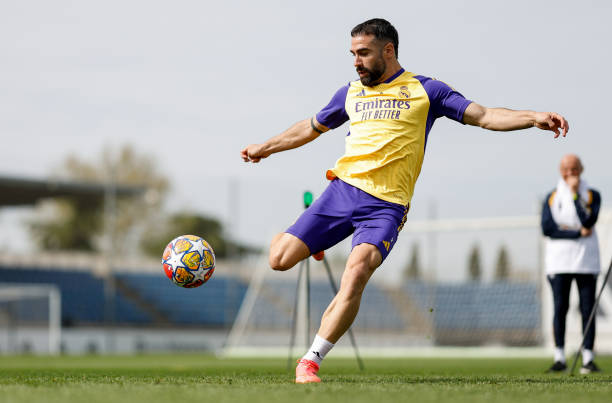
<point>180,378</point>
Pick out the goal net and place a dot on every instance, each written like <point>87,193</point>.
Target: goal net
<point>30,319</point>
<point>448,283</point>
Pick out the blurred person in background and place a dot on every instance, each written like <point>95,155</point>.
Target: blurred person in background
<point>572,253</point>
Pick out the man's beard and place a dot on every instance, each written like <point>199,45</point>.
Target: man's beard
<point>374,74</point>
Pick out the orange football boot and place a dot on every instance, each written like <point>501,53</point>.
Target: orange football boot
<point>319,255</point>
<point>306,372</point>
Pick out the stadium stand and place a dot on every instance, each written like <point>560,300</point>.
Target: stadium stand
<point>143,299</point>
<point>476,314</point>
<point>214,304</point>
<point>453,314</point>
<point>82,294</point>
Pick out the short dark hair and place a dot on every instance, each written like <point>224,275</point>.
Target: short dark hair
<point>380,28</point>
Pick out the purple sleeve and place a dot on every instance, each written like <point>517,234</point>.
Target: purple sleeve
<point>444,101</point>
<point>334,114</point>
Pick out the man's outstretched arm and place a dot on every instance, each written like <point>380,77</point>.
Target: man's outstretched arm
<point>296,136</point>
<point>506,119</point>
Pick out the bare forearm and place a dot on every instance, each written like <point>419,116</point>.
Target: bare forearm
<point>502,119</point>
<point>296,136</point>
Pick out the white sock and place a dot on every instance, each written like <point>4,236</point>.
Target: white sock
<point>319,349</point>
<point>559,355</point>
<point>587,356</point>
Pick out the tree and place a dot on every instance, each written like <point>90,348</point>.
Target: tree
<point>74,226</point>
<point>139,224</point>
<point>502,268</point>
<point>474,270</point>
<point>413,269</point>
<point>191,224</point>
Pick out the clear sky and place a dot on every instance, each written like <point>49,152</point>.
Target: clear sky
<point>190,83</point>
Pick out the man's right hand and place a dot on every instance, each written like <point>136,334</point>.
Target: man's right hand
<point>573,182</point>
<point>586,231</point>
<point>252,153</point>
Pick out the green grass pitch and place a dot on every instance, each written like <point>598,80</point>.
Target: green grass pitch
<point>184,378</point>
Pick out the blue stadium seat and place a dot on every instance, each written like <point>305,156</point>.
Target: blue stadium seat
<point>83,302</point>
<point>214,304</point>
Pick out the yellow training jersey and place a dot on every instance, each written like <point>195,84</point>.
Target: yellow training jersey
<point>389,124</point>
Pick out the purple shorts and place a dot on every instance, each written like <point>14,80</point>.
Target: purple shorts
<point>343,210</point>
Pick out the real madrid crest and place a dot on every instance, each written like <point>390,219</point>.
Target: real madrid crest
<point>403,92</point>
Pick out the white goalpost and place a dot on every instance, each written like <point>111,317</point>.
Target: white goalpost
<point>30,318</point>
<point>236,336</point>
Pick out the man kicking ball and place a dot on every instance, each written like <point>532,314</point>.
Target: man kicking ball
<point>391,112</point>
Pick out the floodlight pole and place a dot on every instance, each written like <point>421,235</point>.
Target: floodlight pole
<point>591,317</point>
<point>110,215</point>
<point>305,266</point>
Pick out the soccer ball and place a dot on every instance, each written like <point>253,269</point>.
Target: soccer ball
<point>188,261</point>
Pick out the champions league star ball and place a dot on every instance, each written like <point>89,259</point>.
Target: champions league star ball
<point>188,261</point>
